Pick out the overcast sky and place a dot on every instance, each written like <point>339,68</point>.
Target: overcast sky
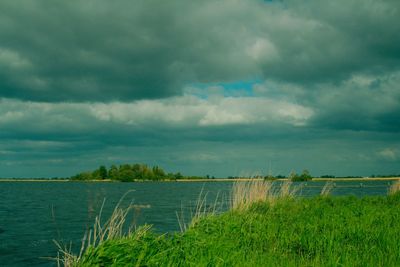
<point>218,87</point>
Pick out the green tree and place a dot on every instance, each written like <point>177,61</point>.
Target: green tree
<point>103,172</point>
<point>83,176</point>
<point>113,173</point>
<point>137,171</point>
<point>147,172</point>
<point>126,174</point>
<point>305,175</point>
<point>294,177</point>
<point>270,177</point>
<point>178,175</point>
<point>96,175</point>
<point>158,173</point>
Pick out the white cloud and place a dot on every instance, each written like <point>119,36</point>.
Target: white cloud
<point>202,157</point>
<point>193,111</point>
<point>9,116</point>
<point>184,111</point>
<point>262,48</point>
<point>388,154</point>
<point>13,60</point>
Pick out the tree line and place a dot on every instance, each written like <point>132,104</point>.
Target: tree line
<point>129,173</point>
<point>293,176</point>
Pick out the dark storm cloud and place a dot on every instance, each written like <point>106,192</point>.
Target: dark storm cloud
<point>333,40</point>
<point>124,50</point>
<point>109,82</point>
<point>98,50</point>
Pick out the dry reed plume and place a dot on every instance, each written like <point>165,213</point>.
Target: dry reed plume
<point>394,188</point>
<point>244,194</point>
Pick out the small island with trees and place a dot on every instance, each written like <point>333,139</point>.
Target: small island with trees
<point>143,172</point>
<point>130,173</point>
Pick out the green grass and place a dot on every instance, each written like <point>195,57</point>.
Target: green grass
<point>319,231</point>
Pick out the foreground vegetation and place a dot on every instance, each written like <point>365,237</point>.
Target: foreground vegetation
<point>264,227</point>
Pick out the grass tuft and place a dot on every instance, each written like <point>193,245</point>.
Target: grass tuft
<point>111,229</point>
<point>245,194</point>
<point>202,210</point>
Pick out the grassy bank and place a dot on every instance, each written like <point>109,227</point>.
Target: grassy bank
<point>267,228</point>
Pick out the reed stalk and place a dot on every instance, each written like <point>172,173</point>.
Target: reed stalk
<point>202,209</point>
<point>327,189</point>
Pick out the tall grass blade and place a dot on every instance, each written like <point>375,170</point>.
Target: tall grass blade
<point>327,189</point>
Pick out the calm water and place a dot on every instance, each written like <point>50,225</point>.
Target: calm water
<point>33,214</point>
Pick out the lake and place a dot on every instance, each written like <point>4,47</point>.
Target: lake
<point>33,214</point>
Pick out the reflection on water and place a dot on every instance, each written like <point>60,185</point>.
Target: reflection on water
<point>32,215</point>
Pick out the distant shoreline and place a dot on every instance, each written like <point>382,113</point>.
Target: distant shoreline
<point>357,179</point>
<point>317,179</point>
<point>32,180</point>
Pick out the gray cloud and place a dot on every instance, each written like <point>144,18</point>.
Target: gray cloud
<point>124,50</point>
<point>369,103</point>
<point>363,102</point>
<point>92,51</point>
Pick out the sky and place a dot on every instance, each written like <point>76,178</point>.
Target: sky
<point>217,87</point>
